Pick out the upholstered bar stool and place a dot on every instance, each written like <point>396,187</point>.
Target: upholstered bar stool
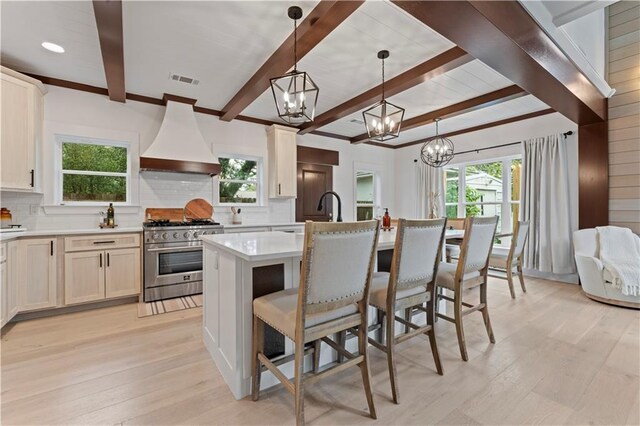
<point>333,296</point>
<point>469,272</point>
<point>409,285</point>
<point>513,258</point>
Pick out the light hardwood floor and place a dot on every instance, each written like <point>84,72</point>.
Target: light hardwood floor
<point>559,358</point>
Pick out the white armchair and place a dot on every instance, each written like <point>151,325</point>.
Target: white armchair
<point>595,280</point>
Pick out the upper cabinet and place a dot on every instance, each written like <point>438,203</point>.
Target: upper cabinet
<point>22,117</point>
<point>281,147</point>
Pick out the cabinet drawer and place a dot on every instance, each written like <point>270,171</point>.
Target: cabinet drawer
<point>100,242</point>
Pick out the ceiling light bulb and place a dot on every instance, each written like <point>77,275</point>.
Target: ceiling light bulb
<point>286,97</point>
<point>386,120</point>
<point>52,47</point>
<point>392,124</point>
<point>374,123</point>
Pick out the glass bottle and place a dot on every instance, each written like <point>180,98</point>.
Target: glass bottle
<point>110,215</point>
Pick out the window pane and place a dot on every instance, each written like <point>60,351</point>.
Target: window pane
<point>364,183</point>
<point>94,188</point>
<point>236,169</point>
<point>96,158</point>
<point>452,211</point>
<point>451,176</point>
<point>516,168</point>
<point>483,182</point>
<point>233,192</point>
<point>365,213</point>
<point>486,210</point>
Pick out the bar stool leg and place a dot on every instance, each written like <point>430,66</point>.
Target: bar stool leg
<point>510,281</point>
<point>432,335</point>
<point>390,343</point>
<point>298,381</point>
<point>485,311</point>
<point>363,343</point>
<point>258,347</point>
<point>457,316</point>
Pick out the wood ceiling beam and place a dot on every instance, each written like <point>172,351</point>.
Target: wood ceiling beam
<point>482,126</point>
<point>320,22</point>
<point>483,101</point>
<point>109,21</point>
<point>506,38</point>
<point>438,65</point>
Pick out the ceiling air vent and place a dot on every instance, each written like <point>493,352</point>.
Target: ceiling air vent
<point>356,121</point>
<point>184,79</point>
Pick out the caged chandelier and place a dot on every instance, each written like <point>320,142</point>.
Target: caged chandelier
<point>437,151</point>
<point>295,93</point>
<point>383,120</point>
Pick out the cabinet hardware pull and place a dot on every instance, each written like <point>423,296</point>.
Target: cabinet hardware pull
<point>108,260</point>
<point>279,189</point>
<point>51,247</point>
<point>33,177</point>
<point>101,260</point>
<point>104,242</point>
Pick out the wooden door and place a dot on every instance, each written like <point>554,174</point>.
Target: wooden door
<point>84,277</point>
<point>37,274</point>
<point>122,276</point>
<point>313,181</point>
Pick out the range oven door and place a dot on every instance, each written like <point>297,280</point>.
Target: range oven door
<point>166,265</point>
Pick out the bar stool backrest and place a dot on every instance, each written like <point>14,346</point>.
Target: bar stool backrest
<point>478,241</point>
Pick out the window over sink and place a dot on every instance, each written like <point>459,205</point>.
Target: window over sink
<point>240,180</point>
<point>92,171</point>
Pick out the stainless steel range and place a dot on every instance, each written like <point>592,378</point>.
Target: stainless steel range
<point>173,257</point>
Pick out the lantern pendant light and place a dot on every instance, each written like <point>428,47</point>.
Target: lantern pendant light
<point>295,93</point>
<point>383,120</point>
<point>437,151</point>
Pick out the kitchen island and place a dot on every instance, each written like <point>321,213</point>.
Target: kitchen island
<point>241,267</point>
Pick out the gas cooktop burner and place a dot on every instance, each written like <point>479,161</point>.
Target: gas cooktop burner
<point>166,222</point>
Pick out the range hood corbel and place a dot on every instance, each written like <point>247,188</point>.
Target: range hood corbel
<point>179,146</point>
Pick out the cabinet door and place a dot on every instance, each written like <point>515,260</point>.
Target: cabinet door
<point>123,272</point>
<point>286,163</point>
<point>12,279</point>
<point>84,277</point>
<point>37,283</point>
<point>17,137</point>
<point>3,293</point>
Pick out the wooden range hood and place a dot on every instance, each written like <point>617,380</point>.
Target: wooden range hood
<point>179,146</point>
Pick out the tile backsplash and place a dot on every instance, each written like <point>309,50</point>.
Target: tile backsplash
<point>155,190</point>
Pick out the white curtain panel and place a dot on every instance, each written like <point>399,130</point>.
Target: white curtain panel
<point>545,204</point>
<point>430,187</point>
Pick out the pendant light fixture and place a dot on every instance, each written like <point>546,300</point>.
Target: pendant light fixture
<point>383,120</point>
<point>438,150</point>
<point>295,93</point>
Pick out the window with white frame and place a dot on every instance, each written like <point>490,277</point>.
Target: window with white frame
<point>92,171</point>
<point>240,180</point>
<point>490,188</point>
<point>365,195</point>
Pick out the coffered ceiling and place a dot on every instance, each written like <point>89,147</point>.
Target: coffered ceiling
<point>223,43</point>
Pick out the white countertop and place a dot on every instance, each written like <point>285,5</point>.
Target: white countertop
<point>258,246</point>
<point>6,235</point>
<point>261,225</point>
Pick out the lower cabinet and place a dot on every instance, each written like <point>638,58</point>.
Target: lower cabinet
<point>11,300</point>
<point>101,274</point>
<point>37,269</point>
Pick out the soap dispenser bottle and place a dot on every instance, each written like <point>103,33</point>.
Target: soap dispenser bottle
<point>386,219</point>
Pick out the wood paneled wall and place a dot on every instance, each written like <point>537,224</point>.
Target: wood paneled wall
<point>624,114</point>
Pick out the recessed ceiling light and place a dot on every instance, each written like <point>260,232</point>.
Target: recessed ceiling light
<point>53,47</point>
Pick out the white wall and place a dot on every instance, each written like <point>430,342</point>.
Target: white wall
<point>65,107</point>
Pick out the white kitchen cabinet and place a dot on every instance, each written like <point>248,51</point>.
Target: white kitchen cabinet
<point>20,139</point>
<point>37,272</point>
<point>3,285</point>
<point>84,277</point>
<point>282,152</point>
<point>11,301</point>
<point>92,275</point>
<point>123,273</point>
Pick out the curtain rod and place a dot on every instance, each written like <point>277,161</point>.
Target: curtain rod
<point>565,134</point>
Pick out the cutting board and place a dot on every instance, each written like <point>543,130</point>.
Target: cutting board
<point>198,208</point>
<point>174,215</point>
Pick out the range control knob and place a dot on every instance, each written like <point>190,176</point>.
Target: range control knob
<point>187,234</point>
<point>155,236</point>
<point>175,235</point>
<point>165,235</point>
<point>195,234</point>
<point>203,232</point>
